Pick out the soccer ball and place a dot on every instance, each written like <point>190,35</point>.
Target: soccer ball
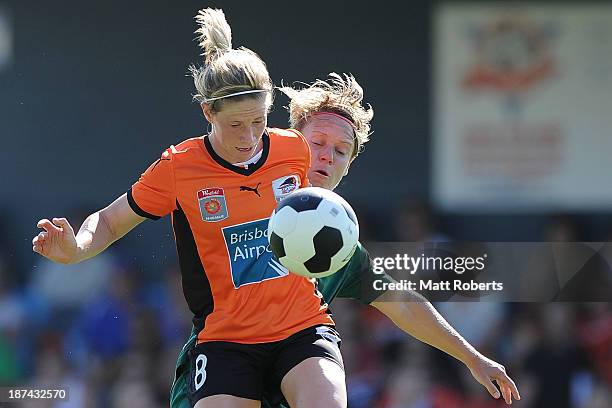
<point>313,232</point>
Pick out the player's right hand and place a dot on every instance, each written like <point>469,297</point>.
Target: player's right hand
<point>57,241</point>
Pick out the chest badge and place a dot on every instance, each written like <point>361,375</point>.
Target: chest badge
<point>213,206</point>
<point>284,186</point>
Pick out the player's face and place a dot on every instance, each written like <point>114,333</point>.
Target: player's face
<point>237,128</point>
<point>331,143</point>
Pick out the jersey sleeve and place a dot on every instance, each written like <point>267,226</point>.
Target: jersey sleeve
<point>360,277</point>
<point>153,195</point>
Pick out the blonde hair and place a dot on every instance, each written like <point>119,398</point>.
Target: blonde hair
<point>226,71</point>
<point>339,95</point>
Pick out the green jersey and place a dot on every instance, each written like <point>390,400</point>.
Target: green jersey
<point>353,281</point>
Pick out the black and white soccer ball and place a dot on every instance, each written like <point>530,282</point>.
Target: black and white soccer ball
<point>313,232</point>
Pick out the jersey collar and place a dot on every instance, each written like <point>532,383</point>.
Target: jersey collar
<point>240,169</point>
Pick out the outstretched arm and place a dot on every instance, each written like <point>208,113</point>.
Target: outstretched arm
<point>417,317</point>
<point>59,243</point>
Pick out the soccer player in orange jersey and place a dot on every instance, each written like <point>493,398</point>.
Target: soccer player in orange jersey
<point>259,328</point>
<point>332,118</point>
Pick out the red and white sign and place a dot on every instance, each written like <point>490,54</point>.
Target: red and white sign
<point>522,117</point>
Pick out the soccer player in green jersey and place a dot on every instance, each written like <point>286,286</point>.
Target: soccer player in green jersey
<point>331,116</point>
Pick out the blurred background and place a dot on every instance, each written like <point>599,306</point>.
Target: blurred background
<point>493,122</point>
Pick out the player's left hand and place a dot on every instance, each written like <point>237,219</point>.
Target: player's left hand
<point>485,371</point>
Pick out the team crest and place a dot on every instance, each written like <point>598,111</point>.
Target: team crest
<point>213,206</point>
<point>284,186</point>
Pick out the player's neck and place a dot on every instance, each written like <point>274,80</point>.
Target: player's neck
<point>230,156</point>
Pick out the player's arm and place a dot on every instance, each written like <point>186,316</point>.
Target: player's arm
<point>412,313</point>
<point>416,316</point>
<point>59,243</point>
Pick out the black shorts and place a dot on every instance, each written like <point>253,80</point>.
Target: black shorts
<point>256,370</point>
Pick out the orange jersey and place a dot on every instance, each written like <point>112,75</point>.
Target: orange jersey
<point>236,288</point>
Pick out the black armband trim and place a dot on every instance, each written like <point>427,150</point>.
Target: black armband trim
<point>137,209</point>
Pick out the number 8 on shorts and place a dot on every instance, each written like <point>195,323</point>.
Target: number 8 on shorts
<point>200,371</point>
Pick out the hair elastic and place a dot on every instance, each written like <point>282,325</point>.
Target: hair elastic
<point>235,94</point>
<point>337,115</point>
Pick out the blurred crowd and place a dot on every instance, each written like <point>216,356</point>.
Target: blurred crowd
<point>110,332</point>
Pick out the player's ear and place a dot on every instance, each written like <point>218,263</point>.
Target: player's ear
<point>207,110</point>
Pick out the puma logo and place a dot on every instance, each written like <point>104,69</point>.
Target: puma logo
<point>252,189</point>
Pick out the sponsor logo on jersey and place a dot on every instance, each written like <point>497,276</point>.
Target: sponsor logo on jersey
<point>251,189</point>
<point>213,206</point>
<point>284,186</point>
<point>250,256</point>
